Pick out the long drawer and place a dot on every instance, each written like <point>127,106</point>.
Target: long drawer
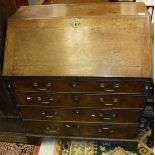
<point>81,130</point>
<point>81,100</point>
<point>82,115</point>
<point>80,85</point>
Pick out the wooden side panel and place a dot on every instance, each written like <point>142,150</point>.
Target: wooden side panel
<point>7,7</point>
<point>6,105</point>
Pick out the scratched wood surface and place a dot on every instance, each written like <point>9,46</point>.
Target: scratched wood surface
<point>73,1</point>
<point>105,40</point>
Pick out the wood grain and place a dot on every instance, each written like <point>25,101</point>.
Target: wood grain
<point>58,40</point>
<point>84,130</point>
<point>76,84</point>
<point>73,1</point>
<point>80,100</point>
<point>84,115</point>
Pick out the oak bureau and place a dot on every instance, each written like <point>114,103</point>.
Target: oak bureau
<point>79,70</point>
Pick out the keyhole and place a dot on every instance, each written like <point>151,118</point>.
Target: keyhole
<point>75,24</point>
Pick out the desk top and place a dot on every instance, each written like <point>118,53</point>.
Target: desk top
<point>80,10</point>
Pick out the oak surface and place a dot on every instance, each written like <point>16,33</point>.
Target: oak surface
<point>83,130</point>
<point>73,1</point>
<point>100,40</point>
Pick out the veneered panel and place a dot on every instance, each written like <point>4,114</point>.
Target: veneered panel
<point>106,46</point>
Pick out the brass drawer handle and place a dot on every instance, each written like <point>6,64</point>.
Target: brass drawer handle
<point>108,118</point>
<point>117,85</point>
<point>108,104</point>
<point>93,115</point>
<point>45,102</point>
<point>44,113</point>
<point>99,130</point>
<point>48,102</point>
<point>35,84</point>
<point>105,129</point>
<point>49,84</point>
<point>28,98</point>
<point>102,85</point>
<point>147,87</point>
<point>101,99</point>
<point>50,116</point>
<point>51,99</point>
<point>74,84</point>
<point>39,98</point>
<point>9,86</point>
<point>42,89</point>
<point>115,100</point>
<point>109,90</point>
<point>77,112</point>
<point>49,130</point>
<point>76,98</point>
<point>67,126</point>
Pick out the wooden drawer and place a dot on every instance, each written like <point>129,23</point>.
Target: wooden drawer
<point>81,100</point>
<point>81,130</point>
<point>82,115</point>
<point>80,85</point>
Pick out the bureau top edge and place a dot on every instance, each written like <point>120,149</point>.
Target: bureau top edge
<point>78,77</point>
<point>87,9</point>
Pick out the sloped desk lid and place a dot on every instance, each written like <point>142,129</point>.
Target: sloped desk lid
<point>101,40</point>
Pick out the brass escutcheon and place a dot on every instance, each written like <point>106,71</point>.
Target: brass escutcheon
<point>75,24</point>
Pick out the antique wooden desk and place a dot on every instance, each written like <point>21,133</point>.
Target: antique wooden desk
<point>79,71</point>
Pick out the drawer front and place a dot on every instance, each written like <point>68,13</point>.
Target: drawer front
<point>81,130</point>
<point>85,115</point>
<point>81,100</point>
<point>69,85</point>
